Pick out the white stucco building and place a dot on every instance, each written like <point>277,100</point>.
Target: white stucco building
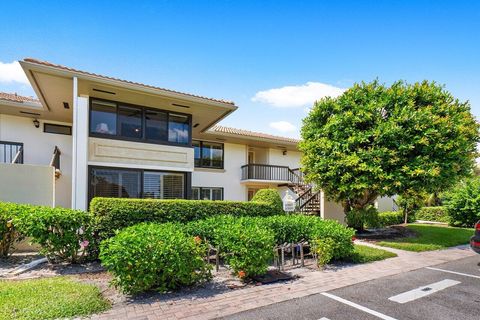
<point>89,135</point>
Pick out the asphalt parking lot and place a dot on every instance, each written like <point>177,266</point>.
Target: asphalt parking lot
<point>445,291</point>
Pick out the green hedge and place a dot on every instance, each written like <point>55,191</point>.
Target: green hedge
<point>438,214</point>
<point>63,234</point>
<point>463,203</point>
<point>9,233</point>
<point>112,214</point>
<point>389,218</point>
<point>154,256</point>
<point>269,196</point>
<point>284,228</point>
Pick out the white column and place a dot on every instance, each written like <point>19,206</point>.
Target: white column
<point>80,150</point>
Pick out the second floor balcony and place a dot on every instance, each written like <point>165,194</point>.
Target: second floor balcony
<point>270,173</point>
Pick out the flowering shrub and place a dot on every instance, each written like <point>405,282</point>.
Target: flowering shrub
<point>154,256</point>
<point>8,231</point>
<point>63,234</point>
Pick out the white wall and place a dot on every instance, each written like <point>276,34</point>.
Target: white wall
<point>386,204</point>
<point>229,178</point>
<point>26,183</point>
<point>291,159</point>
<point>38,150</point>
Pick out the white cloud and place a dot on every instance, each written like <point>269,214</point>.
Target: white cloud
<point>12,72</point>
<point>297,96</point>
<point>283,126</point>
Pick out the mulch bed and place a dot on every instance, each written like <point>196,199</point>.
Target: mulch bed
<point>392,232</point>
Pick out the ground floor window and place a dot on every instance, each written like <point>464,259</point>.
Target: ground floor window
<point>207,193</point>
<point>136,183</point>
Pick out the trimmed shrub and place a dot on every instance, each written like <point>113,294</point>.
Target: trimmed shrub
<point>463,203</point>
<point>363,218</point>
<point>389,218</point>
<point>112,214</point>
<point>283,228</point>
<point>247,248</point>
<point>438,214</point>
<point>63,234</point>
<point>324,249</point>
<point>270,196</point>
<point>9,234</point>
<point>244,244</point>
<point>297,227</point>
<point>154,256</point>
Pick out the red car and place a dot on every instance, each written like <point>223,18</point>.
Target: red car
<point>475,240</point>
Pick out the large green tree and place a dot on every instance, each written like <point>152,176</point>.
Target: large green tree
<point>377,140</point>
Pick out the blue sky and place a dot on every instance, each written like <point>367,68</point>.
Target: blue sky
<point>271,57</point>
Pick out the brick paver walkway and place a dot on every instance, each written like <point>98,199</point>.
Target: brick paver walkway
<point>224,303</point>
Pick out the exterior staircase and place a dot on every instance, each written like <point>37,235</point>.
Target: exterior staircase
<point>308,200</point>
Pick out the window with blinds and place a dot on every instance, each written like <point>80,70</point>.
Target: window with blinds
<point>115,183</point>
<point>123,183</point>
<point>206,193</point>
<point>164,185</point>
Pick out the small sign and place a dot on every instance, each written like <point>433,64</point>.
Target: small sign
<point>288,203</point>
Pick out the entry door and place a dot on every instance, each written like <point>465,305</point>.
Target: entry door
<point>251,193</point>
<point>251,157</point>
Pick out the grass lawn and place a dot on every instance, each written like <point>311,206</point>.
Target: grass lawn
<point>430,238</point>
<point>49,298</point>
<point>364,254</point>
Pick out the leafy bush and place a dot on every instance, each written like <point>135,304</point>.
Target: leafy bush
<point>270,196</point>
<point>297,227</point>
<point>113,214</point>
<point>324,249</point>
<point>389,218</point>
<point>283,228</point>
<point>244,245</point>
<point>9,234</point>
<point>63,234</point>
<point>361,218</point>
<point>463,203</point>
<point>438,214</point>
<point>154,256</point>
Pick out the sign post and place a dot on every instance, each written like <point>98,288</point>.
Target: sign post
<point>288,203</point>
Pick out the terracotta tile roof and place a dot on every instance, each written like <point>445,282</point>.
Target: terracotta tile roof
<point>246,133</point>
<point>49,64</point>
<point>17,98</point>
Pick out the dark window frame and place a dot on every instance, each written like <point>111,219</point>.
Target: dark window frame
<point>201,155</point>
<point>201,188</point>
<point>186,180</point>
<point>143,139</point>
<point>45,124</point>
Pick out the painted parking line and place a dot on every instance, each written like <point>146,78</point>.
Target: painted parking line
<point>323,318</point>
<point>357,306</point>
<point>454,272</point>
<point>423,291</point>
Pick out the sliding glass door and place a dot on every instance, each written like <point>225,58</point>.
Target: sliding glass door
<point>136,183</point>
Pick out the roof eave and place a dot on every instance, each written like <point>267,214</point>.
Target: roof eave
<point>29,66</point>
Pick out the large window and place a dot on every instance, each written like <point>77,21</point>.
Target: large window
<point>203,193</point>
<point>123,121</point>
<point>133,183</point>
<point>208,154</point>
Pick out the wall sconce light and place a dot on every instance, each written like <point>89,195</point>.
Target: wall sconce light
<point>36,123</point>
